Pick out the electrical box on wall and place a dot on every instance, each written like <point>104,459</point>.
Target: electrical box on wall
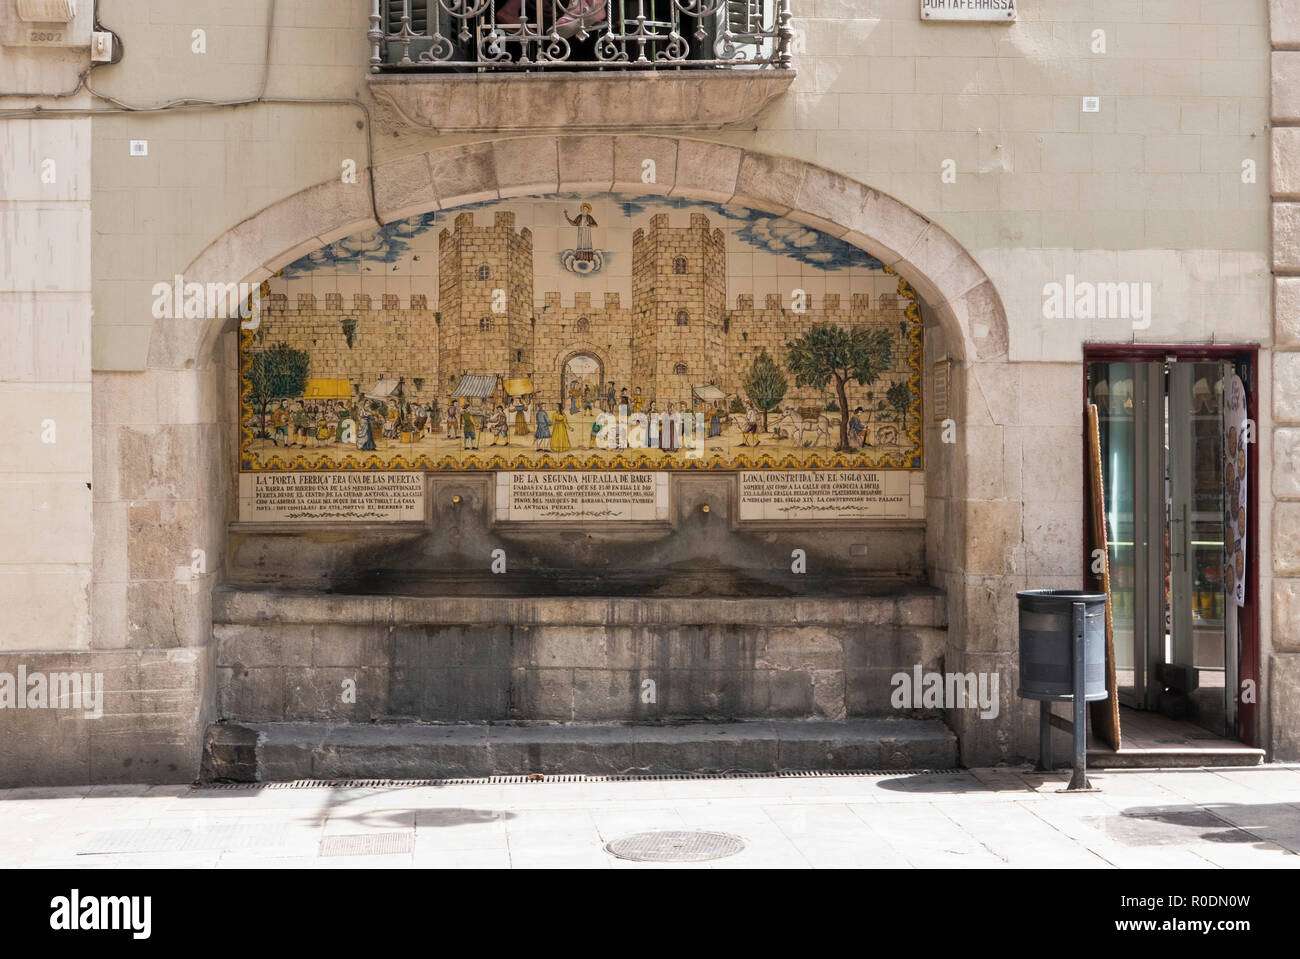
<point>46,23</point>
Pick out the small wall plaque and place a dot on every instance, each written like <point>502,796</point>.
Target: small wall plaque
<point>989,11</point>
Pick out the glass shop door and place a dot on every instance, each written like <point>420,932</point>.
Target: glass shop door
<point>1166,476</point>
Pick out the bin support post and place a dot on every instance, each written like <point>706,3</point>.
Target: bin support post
<point>1079,780</point>
<point>1044,736</point>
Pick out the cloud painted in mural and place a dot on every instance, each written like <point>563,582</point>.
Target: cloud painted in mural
<point>763,231</point>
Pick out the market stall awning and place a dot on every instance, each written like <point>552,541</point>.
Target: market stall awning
<point>328,389</point>
<point>708,392</point>
<point>384,389</point>
<point>519,387</point>
<point>475,386</point>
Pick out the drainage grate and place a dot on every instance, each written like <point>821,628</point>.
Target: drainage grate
<point>576,778</point>
<point>367,844</point>
<point>185,840</point>
<point>675,846</point>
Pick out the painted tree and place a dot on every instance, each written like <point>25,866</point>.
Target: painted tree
<point>764,384</point>
<point>900,398</point>
<point>830,354</point>
<point>277,373</point>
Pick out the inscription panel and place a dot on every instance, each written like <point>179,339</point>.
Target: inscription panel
<point>331,497</point>
<point>573,496</point>
<point>831,494</point>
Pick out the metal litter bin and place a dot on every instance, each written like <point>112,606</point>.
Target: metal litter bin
<point>1047,648</point>
<point>1063,659</point>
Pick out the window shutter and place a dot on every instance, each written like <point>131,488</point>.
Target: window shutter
<point>419,16</point>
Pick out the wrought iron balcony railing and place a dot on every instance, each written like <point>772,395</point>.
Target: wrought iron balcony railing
<point>524,35</point>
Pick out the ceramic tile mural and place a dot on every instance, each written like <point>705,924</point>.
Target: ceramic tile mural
<point>584,333</point>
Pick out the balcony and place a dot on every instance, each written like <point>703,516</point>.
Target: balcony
<point>527,65</point>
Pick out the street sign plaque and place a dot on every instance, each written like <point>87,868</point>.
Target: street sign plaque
<point>997,11</point>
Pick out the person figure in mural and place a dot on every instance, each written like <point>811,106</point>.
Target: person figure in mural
<point>750,429</point>
<point>453,419</point>
<point>609,398</point>
<point>586,397</point>
<point>559,430</point>
<point>542,435</point>
<point>347,424</point>
<point>324,427</point>
<point>304,426</point>
<point>392,417</point>
<point>280,421</point>
<point>468,429</point>
<point>365,429</point>
<point>434,422</point>
<point>521,418</point>
<point>624,411</point>
<point>584,221</point>
<point>418,419</point>
<point>638,401</point>
<point>670,438</point>
<point>595,432</point>
<point>500,426</point>
<point>857,429</point>
<point>573,398</point>
<point>715,421</point>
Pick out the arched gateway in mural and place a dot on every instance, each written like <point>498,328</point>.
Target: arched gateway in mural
<point>849,319</point>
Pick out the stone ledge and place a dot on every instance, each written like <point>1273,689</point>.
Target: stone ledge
<point>278,752</point>
<point>915,606</point>
<point>577,102</point>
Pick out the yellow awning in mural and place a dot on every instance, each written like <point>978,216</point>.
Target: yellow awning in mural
<point>327,390</point>
<point>519,387</point>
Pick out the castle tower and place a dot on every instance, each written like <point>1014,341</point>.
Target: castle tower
<point>679,295</point>
<point>481,269</point>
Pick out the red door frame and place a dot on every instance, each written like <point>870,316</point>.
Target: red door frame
<point>1248,668</point>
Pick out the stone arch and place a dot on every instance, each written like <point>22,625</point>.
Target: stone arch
<point>947,277</point>
<point>972,526</point>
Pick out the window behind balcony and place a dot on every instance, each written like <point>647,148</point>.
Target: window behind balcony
<point>585,34</point>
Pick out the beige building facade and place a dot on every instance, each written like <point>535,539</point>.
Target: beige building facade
<point>995,167</point>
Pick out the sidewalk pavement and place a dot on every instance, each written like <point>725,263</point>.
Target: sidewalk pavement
<point>999,817</point>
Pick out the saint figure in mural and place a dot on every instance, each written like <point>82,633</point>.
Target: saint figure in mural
<point>559,430</point>
<point>583,258</point>
<point>584,221</point>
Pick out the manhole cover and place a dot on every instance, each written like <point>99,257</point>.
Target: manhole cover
<point>675,846</point>
<point>367,844</point>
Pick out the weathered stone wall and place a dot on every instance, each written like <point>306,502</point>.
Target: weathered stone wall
<point>485,660</point>
<point>1149,188</point>
<point>1280,445</point>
